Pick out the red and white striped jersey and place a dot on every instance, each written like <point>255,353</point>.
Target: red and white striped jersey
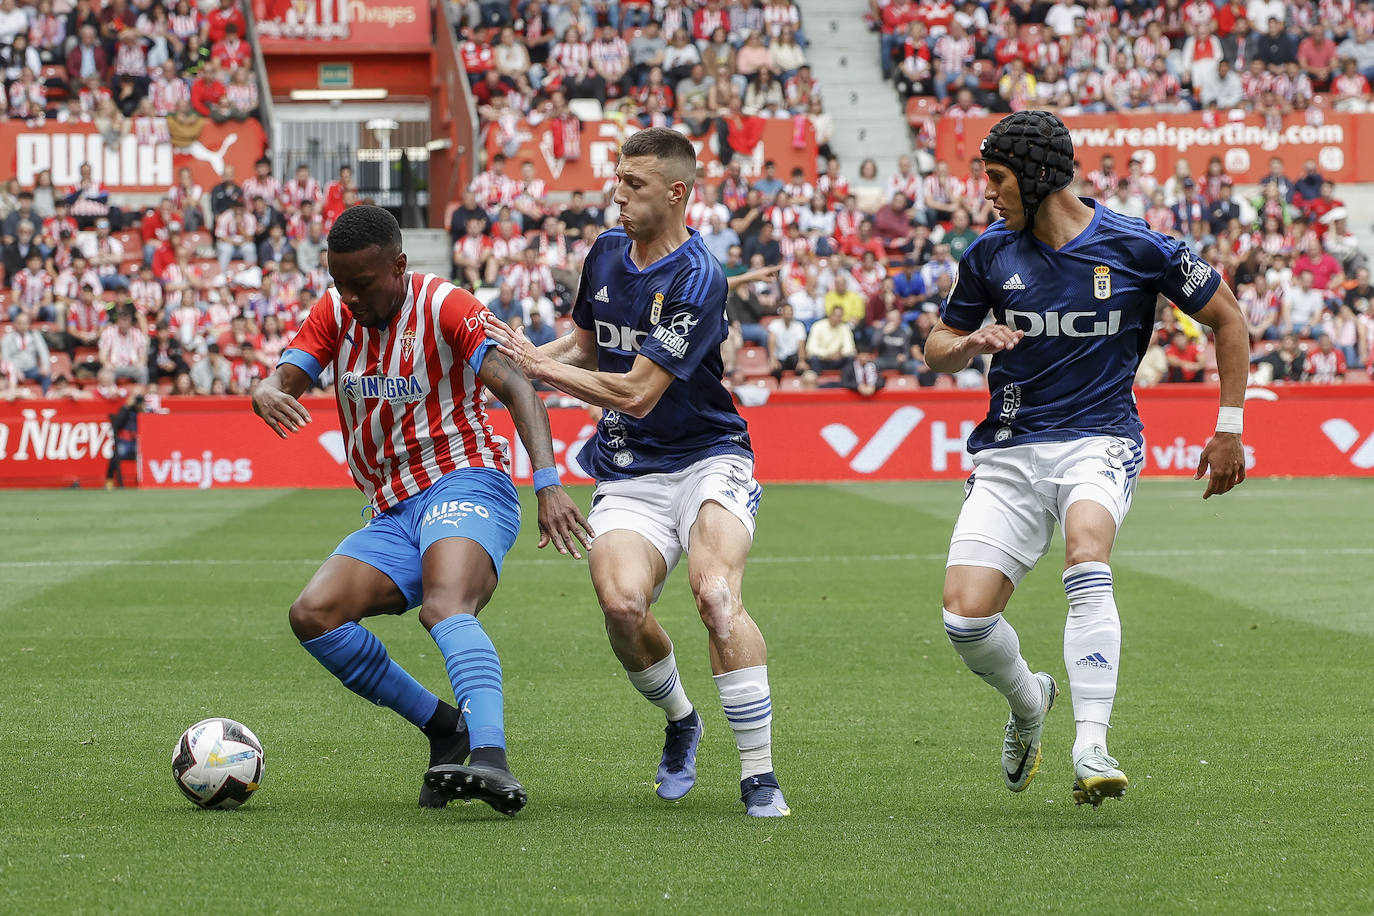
<point>166,94</point>
<point>146,295</point>
<point>410,403</point>
<point>294,193</point>
<point>268,188</point>
<point>32,288</point>
<point>1325,367</point>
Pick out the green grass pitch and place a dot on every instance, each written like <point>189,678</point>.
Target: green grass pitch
<point>1243,721</point>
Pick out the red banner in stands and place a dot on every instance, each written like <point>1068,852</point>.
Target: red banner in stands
<point>55,443</point>
<point>287,26</point>
<point>601,144</point>
<point>64,148</point>
<point>1342,145</point>
<point>1299,431</point>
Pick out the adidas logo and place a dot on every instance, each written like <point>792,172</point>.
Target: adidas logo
<point>1014,283</point>
<point>601,295</point>
<point>1094,661</point>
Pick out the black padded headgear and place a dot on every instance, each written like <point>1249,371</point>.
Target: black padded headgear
<point>1037,148</point>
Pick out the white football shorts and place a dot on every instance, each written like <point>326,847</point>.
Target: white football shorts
<point>1016,495</point>
<point>663,507</point>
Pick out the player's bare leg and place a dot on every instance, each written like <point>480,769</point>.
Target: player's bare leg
<point>1092,648</point>
<point>626,571</point>
<point>327,617</point>
<point>459,580</point>
<point>718,549</point>
<point>974,599</point>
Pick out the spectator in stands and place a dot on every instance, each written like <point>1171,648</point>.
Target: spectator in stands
<point>106,255</point>
<point>830,342</point>
<point>224,195</point>
<point>234,231</point>
<point>23,212</point>
<point>1185,357</point>
<point>786,342</point>
<point>217,23</point>
<point>207,94</point>
<point>275,246</point>
<point>1302,305</point>
<point>83,321</point>
<point>25,352</point>
<point>1359,47</point>
<point>124,347</point>
<point>33,289</point>
<point>87,57</point>
<point>215,367</point>
<point>165,359</point>
<point>185,125</point>
<point>1343,329</point>
<point>241,95</point>
<point>764,244</point>
<point>1325,270</point>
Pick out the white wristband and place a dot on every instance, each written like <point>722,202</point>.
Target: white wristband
<point>1231,420</point>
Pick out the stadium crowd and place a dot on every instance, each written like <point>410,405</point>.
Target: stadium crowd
<point>860,265</point>
<point>835,281</point>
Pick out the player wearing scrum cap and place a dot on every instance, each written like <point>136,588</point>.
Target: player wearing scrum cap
<point>1060,292</point>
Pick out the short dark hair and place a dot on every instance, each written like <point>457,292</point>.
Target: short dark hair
<point>663,143</point>
<point>361,227</point>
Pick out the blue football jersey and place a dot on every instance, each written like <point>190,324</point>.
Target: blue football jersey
<point>1088,311</point>
<point>673,312</point>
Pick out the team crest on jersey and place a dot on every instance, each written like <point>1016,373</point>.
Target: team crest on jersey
<point>1102,282</point>
<point>407,345</point>
<point>656,310</point>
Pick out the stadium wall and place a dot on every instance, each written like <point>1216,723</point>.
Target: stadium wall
<point>1308,431</point>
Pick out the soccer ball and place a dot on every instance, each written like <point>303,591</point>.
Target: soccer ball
<point>218,763</point>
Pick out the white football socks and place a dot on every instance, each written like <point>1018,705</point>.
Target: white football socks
<point>748,707</point>
<point>992,650</point>
<point>1092,651</point>
<point>661,686</point>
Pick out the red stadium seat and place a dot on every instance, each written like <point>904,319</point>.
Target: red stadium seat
<point>752,361</point>
<point>61,366</point>
<point>131,239</point>
<point>920,107</point>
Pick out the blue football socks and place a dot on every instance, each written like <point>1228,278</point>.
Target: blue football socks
<point>475,672</point>
<point>357,657</point>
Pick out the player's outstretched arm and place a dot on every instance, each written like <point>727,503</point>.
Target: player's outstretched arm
<point>575,349</point>
<point>951,350</point>
<point>276,399</point>
<point>1223,458</point>
<point>633,393</point>
<point>560,521</point>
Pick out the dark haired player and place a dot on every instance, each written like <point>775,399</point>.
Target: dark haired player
<point>672,459</point>
<point>411,356</point>
<point>1071,288</point>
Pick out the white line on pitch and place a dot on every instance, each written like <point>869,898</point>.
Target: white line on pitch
<point>837,558</point>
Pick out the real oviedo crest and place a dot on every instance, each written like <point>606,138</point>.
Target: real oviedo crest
<point>1102,282</point>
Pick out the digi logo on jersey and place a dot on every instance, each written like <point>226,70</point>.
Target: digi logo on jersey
<point>1067,324</point>
<point>618,337</point>
<point>404,389</point>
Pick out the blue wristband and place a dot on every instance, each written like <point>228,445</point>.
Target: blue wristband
<point>546,477</point>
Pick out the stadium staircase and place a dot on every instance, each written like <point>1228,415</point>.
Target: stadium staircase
<point>429,250</point>
<point>843,53</point>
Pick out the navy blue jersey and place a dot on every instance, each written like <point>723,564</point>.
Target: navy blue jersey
<point>1088,311</point>
<point>672,312</point>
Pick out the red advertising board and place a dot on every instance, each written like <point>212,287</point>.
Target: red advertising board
<point>338,26</point>
<point>64,148</point>
<point>601,144</point>
<point>1342,145</point>
<point>1303,431</point>
<point>55,443</point>
<point>1299,431</point>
